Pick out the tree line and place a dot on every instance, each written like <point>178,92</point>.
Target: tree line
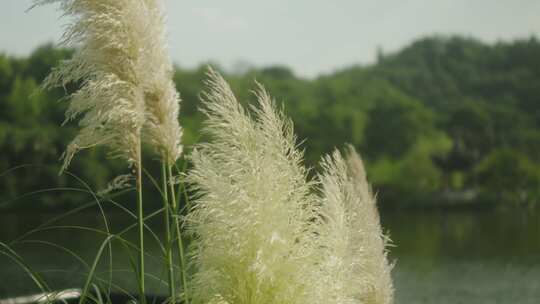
<point>444,121</point>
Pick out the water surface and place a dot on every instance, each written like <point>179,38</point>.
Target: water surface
<point>441,257</point>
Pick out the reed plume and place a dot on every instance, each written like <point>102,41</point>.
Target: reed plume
<point>162,129</point>
<point>124,72</point>
<point>354,268</point>
<point>251,219</point>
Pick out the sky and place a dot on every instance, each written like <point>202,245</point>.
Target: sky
<point>312,37</point>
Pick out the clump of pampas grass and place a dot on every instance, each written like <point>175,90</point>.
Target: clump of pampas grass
<point>125,93</point>
<point>263,235</point>
<point>124,72</point>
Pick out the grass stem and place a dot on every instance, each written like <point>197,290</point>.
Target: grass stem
<point>180,243</point>
<point>168,238</point>
<point>140,218</point>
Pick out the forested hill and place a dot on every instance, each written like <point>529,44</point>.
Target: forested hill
<point>445,120</point>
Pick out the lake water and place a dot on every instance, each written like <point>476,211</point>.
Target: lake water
<point>441,257</point>
<point>466,257</point>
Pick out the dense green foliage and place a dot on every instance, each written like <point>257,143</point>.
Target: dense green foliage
<point>445,120</point>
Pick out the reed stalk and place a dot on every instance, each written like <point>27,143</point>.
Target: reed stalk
<point>178,232</point>
<point>140,218</point>
<point>168,236</point>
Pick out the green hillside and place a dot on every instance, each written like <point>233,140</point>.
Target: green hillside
<point>446,120</point>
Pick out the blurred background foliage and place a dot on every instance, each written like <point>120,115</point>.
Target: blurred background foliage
<point>446,121</point>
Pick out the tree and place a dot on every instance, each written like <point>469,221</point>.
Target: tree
<point>509,176</point>
<point>394,127</point>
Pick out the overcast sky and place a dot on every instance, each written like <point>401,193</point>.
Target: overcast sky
<point>310,36</point>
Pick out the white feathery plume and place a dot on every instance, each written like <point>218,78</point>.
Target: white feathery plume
<point>124,76</point>
<point>162,129</point>
<point>355,266</point>
<point>252,217</point>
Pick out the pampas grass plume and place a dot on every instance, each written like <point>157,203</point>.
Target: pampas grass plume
<point>355,266</point>
<point>124,75</point>
<point>162,129</point>
<point>251,217</point>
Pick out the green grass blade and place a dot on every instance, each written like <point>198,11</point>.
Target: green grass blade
<point>84,293</point>
<point>20,261</point>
